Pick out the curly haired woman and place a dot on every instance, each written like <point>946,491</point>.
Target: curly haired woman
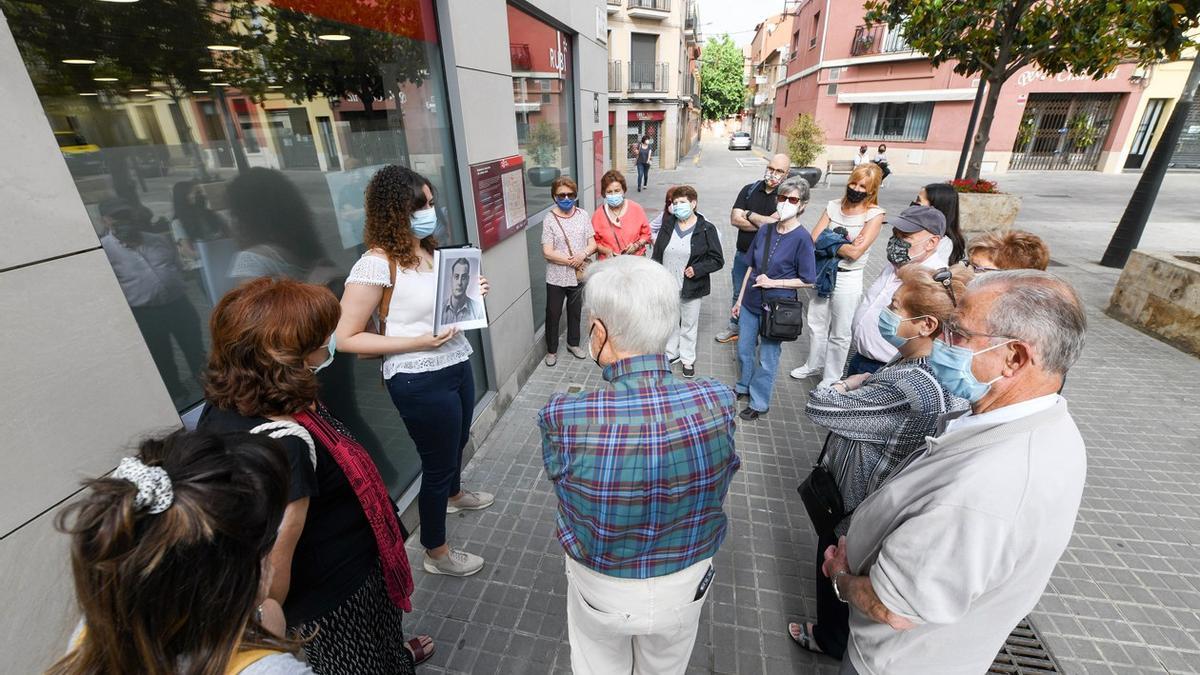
<point>428,376</point>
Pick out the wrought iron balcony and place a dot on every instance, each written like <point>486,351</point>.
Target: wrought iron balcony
<point>653,9</point>
<point>878,39</point>
<point>647,77</point>
<point>614,77</point>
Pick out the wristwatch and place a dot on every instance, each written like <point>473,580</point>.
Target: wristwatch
<point>834,580</point>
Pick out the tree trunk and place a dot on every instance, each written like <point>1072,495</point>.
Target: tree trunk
<point>983,134</point>
<point>185,137</point>
<point>1133,222</point>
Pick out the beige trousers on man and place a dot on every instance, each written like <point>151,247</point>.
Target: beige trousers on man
<point>639,626</point>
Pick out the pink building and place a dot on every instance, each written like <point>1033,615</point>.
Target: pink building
<point>866,86</point>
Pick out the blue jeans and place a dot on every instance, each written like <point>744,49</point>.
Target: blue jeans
<point>436,407</point>
<point>737,272</point>
<point>758,361</point>
<point>643,177</point>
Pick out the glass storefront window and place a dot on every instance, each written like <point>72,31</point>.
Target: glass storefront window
<point>214,142</point>
<point>543,81</point>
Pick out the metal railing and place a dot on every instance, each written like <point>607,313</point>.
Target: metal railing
<point>520,57</point>
<point>614,3</point>
<point>614,77</point>
<point>659,5</point>
<point>877,39</point>
<point>647,77</point>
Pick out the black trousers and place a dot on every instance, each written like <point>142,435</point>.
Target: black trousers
<point>555,295</point>
<point>832,630</point>
<point>159,324</point>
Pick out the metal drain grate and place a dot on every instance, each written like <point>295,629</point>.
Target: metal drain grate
<point>1023,653</point>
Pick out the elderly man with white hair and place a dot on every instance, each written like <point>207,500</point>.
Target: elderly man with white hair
<point>942,562</point>
<point>641,470</point>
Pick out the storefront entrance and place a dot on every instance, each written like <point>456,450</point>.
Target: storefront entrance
<point>648,124</point>
<point>1064,132</point>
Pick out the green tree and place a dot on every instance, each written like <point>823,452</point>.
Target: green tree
<point>722,89</point>
<point>997,38</point>
<point>805,140</point>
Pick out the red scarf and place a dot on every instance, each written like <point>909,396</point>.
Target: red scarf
<point>377,504</point>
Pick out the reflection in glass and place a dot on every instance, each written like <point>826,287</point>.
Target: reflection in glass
<point>225,164</point>
<point>543,76</point>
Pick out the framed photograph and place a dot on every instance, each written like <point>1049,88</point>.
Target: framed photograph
<point>459,301</point>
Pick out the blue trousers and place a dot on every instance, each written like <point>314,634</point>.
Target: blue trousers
<point>643,177</point>
<point>737,273</point>
<point>758,361</point>
<point>436,407</point>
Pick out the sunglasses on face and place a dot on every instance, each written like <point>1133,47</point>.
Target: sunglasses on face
<point>565,195</point>
<point>781,199</point>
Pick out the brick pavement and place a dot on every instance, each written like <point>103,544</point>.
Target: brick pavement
<point>1125,598</point>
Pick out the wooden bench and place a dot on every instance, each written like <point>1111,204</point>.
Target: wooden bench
<point>839,166</point>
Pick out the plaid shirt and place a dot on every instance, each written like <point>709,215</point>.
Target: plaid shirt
<point>641,469</point>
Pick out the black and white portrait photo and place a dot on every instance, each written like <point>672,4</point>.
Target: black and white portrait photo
<point>459,300</point>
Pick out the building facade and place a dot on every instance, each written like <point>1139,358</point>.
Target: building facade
<point>865,85</point>
<point>769,57</point>
<point>653,79</point>
<point>1163,85</point>
<point>177,117</point>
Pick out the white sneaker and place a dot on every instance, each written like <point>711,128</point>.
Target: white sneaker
<point>470,501</point>
<point>804,372</point>
<point>455,564</point>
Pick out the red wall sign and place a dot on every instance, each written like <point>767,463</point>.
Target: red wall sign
<point>499,188</point>
<point>598,159</point>
<point>651,116</point>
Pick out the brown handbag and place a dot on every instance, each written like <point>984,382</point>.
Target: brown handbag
<point>581,271</point>
<point>385,304</point>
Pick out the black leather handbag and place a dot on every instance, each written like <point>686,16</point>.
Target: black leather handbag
<point>822,498</point>
<point>782,318</point>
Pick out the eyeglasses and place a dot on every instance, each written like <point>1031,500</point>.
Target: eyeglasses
<point>776,172</point>
<point>946,278</point>
<point>956,333</point>
<point>781,199</point>
<point>980,269</point>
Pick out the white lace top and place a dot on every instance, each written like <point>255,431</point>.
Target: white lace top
<point>409,315</point>
<point>853,224</point>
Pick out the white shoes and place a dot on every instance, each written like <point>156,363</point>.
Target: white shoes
<point>455,564</point>
<point>470,501</point>
<point>804,372</point>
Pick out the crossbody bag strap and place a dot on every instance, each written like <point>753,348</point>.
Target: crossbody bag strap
<point>385,302</point>
<point>824,449</point>
<point>562,229</point>
<point>281,428</point>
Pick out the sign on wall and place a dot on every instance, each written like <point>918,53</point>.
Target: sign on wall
<point>598,162</point>
<point>499,188</point>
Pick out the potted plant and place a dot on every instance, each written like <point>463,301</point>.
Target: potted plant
<point>543,149</point>
<point>981,207</point>
<point>805,141</point>
<point>1082,132</point>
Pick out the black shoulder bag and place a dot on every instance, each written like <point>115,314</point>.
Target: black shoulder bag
<point>822,498</point>
<point>783,318</point>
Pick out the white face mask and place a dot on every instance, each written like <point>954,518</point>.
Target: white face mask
<point>788,210</point>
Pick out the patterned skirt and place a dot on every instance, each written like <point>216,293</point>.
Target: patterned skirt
<point>362,636</point>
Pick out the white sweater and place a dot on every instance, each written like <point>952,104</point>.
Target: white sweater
<point>962,541</point>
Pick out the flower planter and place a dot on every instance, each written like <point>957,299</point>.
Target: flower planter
<point>1159,293</point>
<point>982,212</point>
<point>809,173</point>
<point>543,176</point>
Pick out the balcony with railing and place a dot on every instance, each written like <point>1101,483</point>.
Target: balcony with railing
<point>649,9</point>
<point>878,39</point>
<point>613,6</point>
<point>520,57</point>
<point>614,77</point>
<point>648,78</point>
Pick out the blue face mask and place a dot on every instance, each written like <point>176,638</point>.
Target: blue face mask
<point>889,323</point>
<point>952,367</point>
<point>423,222</point>
<point>614,200</point>
<point>332,350</point>
<point>682,211</point>
<point>565,204</point>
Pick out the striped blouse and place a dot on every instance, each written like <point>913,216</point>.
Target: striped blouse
<point>876,427</point>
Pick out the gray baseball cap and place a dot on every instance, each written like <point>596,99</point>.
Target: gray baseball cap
<point>917,218</point>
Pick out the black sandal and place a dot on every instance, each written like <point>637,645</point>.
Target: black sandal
<point>805,638</point>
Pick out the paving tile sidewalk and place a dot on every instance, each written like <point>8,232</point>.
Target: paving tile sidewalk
<point>1125,599</point>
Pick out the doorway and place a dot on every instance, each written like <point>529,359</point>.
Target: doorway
<point>1063,132</point>
<point>1145,133</point>
<point>294,137</point>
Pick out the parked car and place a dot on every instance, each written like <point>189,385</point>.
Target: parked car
<point>82,157</point>
<point>740,140</point>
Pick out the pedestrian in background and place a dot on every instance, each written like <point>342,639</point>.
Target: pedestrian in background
<point>644,154</point>
<point>778,268</point>
<point>863,156</point>
<point>755,206</point>
<point>638,555</point>
<point>690,250</point>
<point>620,224</point>
<point>881,161</point>
<point>428,376</point>
<point>956,548</point>
<point>829,319</point>
<point>1011,250</point>
<point>170,558</point>
<point>944,198</point>
<point>274,229</point>
<point>918,238</point>
<point>568,242</point>
<point>339,568</point>
<point>876,421</point>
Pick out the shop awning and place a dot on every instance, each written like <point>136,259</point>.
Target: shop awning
<point>911,96</point>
